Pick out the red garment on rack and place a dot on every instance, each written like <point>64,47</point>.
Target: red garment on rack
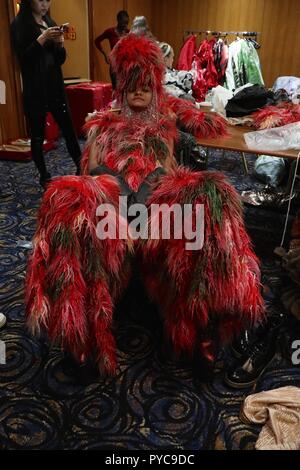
<point>221,56</point>
<point>186,54</point>
<point>206,75</point>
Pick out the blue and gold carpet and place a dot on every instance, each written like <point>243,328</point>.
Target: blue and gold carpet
<point>152,403</point>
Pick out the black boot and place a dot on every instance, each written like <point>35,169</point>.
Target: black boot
<point>241,344</point>
<point>252,366</point>
<point>257,356</point>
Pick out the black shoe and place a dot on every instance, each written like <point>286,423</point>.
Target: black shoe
<point>255,358</point>
<point>45,180</point>
<point>199,158</point>
<point>241,344</point>
<point>267,198</point>
<point>251,367</point>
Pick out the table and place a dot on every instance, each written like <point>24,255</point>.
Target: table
<point>235,141</point>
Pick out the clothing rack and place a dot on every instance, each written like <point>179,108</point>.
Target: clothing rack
<point>221,33</point>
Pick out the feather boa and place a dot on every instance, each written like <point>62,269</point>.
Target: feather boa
<point>196,122</point>
<point>221,281</point>
<point>276,116</point>
<point>73,277</point>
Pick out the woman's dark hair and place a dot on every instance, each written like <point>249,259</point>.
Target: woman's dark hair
<point>25,14</point>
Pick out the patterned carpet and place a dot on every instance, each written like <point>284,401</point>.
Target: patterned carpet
<point>152,403</point>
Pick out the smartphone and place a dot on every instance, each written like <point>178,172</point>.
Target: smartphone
<point>64,27</point>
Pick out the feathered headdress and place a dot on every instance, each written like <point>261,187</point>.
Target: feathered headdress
<point>137,61</point>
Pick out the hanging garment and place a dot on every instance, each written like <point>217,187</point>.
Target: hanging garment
<point>178,83</point>
<point>250,59</point>
<point>243,65</point>
<point>232,73</point>
<point>279,411</point>
<point>204,70</point>
<point>221,54</point>
<point>186,54</point>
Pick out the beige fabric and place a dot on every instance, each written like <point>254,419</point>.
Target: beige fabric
<point>279,410</point>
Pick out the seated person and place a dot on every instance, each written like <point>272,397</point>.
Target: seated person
<point>76,273</point>
<point>177,82</point>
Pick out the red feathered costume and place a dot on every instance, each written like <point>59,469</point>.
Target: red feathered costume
<point>75,278</point>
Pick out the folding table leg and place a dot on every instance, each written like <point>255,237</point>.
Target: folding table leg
<point>291,177</point>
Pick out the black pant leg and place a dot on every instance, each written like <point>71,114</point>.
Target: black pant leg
<point>62,116</point>
<point>37,124</point>
<point>113,78</point>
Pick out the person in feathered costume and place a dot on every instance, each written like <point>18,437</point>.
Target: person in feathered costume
<point>75,278</point>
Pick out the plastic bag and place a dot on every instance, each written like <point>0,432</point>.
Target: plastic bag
<point>270,170</point>
<point>219,98</point>
<point>279,138</point>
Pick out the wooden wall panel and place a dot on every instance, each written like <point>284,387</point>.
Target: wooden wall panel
<point>280,52</point>
<point>172,17</point>
<point>74,12</point>
<point>103,16</point>
<point>12,123</point>
<point>139,8</point>
<point>234,15</point>
<point>278,22</point>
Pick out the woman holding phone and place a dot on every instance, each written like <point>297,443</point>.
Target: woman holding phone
<point>39,44</point>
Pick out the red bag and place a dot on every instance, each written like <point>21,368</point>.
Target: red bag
<point>85,98</point>
<point>52,129</point>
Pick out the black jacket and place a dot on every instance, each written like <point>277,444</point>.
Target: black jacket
<point>40,66</point>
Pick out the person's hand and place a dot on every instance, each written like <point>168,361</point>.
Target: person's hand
<point>61,39</point>
<point>51,34</point>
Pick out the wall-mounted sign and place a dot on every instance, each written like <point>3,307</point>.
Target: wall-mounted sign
<point>70,33</point>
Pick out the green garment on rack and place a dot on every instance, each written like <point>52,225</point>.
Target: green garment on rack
<point>243,65</point>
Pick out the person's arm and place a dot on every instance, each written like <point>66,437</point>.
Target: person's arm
<point>98,41</point>
<point>93,157</point>
<point>31,50</point>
